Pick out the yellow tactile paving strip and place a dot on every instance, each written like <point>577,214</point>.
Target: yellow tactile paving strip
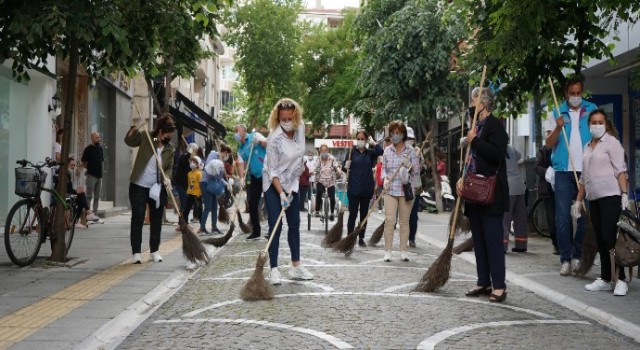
<point>21,323</point>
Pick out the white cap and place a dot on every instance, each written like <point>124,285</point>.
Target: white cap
<point>410,134</point>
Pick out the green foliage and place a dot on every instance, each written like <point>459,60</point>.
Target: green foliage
<point>265,35</point>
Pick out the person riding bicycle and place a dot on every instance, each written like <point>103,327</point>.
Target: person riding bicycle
<point>327,171</point>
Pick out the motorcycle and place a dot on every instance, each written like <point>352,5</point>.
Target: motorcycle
<point>428,197</point>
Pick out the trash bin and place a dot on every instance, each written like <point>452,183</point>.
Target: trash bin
<point>341,194</point>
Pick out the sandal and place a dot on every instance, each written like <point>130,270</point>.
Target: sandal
<point>480,290</point>
<point>498,298</point>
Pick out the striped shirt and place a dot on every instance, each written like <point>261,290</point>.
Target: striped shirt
<point>392,161</point>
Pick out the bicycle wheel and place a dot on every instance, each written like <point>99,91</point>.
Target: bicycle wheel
<point>325,209</point>
<point>23,232</point>
<point>70,220</point>
<point>538,218</point>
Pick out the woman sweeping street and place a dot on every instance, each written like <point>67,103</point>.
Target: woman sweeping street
<point>281,181</point>
<point>361,182</point>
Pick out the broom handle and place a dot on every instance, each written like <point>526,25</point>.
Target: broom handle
<point>566,139</point>
<point>184,140</point>
<point>246,171</point>
<point>348,170</point>
<point>266,249</point>
<point>473,126</point>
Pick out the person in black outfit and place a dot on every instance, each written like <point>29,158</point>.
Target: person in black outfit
<point>361,182</point>
<point>92,159</point>
<point>545,191</point>
<point>488,142</point>
<point>180,174</point>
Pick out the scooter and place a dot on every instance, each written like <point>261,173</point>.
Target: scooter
<point>428,197</point>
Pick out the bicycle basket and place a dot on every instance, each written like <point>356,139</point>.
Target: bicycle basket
<point>29,182</point>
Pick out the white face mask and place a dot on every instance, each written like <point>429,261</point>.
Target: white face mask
<point>286,126</point>
<point>361,144</point>
<point>575,101</point>
<point>597,131</point>
<point>193,165</point>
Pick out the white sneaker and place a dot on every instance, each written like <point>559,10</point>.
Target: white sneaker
<point>274,277</point>
<point>137,258</point>
<point>156,257</point>
<point>403,256</point>
<point>621,289</point>
<point>575,265</point>
<point>300,273</point>
<point>379,211</point>
<point>565,270</point>
<point>191,266</point>
<point>92,217</point>
<point>598,285</point>
<point>387,256</point>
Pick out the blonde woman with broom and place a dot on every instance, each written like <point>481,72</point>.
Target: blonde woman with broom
<point>398,155</point>
<point>281,182</point>
<point>488,142</point>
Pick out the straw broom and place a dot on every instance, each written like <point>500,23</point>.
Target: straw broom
<point>192,248</point>
<point>335,233</point>
<point>347,244</point>
<point>438,273</point>
<point>589,244</point>
<point>220,241</point>
<point>257,287</point>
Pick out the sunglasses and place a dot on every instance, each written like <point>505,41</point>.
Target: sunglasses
<point>286,105</point>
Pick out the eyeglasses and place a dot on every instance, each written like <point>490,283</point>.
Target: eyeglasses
<point>286,105</point>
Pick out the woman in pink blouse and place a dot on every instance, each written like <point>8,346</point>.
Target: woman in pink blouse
<point>604,182</point>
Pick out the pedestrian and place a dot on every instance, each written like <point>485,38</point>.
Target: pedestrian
<point>545,192</point>
<point>225,155</point>
<point>281,181</point>
<point>75,185</point>
<point>327,172</point>
<point>398,155</point>
<point>304,185</point>
<point>488,142</point>
<point>517,210</point>
<point>379,183</point>
<point>573,119</point>
<point>604,183</point>
<point>180,175</point>
<point>214,168</point>
<point>253,163</point>
<point>194,192</point>
<point>92,159</point>
<point>417,184</point>
<point>361,182</point>
<point>146,181</point>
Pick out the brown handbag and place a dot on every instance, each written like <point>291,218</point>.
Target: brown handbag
<point>626,252</point>
<point>479,189</point>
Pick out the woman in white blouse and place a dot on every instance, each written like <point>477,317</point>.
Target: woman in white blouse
<point>280,183</point>
<point>604,182</point>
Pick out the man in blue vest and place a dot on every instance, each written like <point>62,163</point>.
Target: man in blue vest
<point>573,117</point>
<point>251,154</point>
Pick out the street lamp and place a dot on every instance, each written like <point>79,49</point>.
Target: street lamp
<point>55,100</point>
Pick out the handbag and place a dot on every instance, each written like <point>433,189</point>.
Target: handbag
<point>479,189</point>
<point>626,252</point>
<point>408,191</point>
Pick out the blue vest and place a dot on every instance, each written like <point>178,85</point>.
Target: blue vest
<point>254,162</point>
<point>560,155</point>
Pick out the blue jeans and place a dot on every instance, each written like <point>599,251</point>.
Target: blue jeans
<point>272,202</point>
<point>210,204</point>
<point>565,192</point>
<point>413,221</point>
<point>486,231</point>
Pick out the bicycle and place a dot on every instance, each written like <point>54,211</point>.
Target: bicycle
<point>537,217</point>
<point>29,222</point>
<point>324,217</point>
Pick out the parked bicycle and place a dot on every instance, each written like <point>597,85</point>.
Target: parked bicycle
<point>537,217</point>
<point>29,221</point>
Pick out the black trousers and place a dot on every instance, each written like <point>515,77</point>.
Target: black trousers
<point>304,193</point>
<point>253,197</point>
<point>331,192</point>
<point>191,202</point>
<point>355,203</point>
<point>139,198</point>
<point>605,213</point>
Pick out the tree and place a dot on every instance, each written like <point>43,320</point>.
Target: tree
<point>101,36</point>
<point>265,34</point>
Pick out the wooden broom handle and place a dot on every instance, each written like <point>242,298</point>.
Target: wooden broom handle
<point>273,231</point>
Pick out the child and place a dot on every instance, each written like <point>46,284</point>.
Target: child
<point>193,187</point>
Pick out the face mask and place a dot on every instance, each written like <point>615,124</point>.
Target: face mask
<point>575,101</point>
<point>193,165</point>
<point>361,143</point>
<point>409,142</point>
<point>225,158</point>
<point>396,138</point>
<point>324,155</point>
<point>236,136</point>
<point>166,140</point>
<point>597,131</point>
<point>286,126</point>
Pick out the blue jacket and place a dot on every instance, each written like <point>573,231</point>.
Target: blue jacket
<point>361,182</point>
<point>560,155</point>
<point>256,163</point>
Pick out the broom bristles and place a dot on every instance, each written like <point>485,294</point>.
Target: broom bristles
<point>192,247</point>
<point>465,246</point>
<point>223,215</point>
<point>335,233</point>
<point>438,273</point>
<point>220,241</point>
<point>462,224</point>
<point>376,236</point>
<point>347,244</point>
<point>243,227</point>
<point>589,247</point>
<point>257,287</point>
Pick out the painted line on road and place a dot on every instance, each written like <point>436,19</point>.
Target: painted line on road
<point>377,294</point>
<point>393,289</point>
<point>323,287</point>
<point>431,342</point>
<point>236,272</point>
<point>338,343</point>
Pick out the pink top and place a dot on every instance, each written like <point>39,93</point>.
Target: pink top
<point>601,167</point>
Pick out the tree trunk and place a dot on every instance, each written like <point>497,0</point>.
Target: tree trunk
<point>58,252</point>
<point>434,165</point>
<point>537,114</point>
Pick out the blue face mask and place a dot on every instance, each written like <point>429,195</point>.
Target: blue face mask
<point>236,136</point>
<point>396,138</point>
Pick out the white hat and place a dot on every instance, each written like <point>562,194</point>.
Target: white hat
<point>410,133</point>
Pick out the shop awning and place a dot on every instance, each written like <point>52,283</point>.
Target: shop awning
<point>209,121</point>
<point>185,120</point>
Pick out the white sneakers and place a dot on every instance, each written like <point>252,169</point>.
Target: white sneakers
<point>599,285</point>
<point>387,256</point>
<point>575,265</point>
<point>621,289</point>
<point>403,256</point>
<point>156,257</point>
<point>565,270</point>
<point>300,273</point>
<point>274,277</point>
<point>137,258</point>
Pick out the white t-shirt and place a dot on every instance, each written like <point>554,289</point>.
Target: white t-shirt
<point>575,141</point>
<point>151,174</point>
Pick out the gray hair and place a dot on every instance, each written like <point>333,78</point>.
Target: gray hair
<point>486,98</point>
<point>242,126</point>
